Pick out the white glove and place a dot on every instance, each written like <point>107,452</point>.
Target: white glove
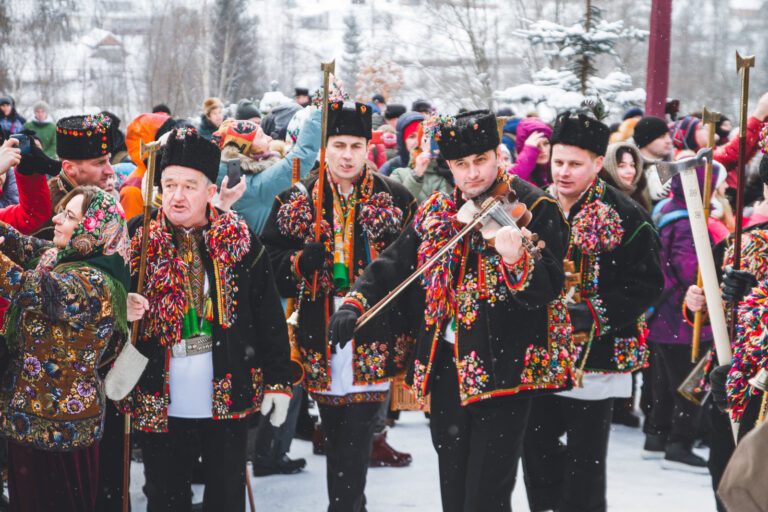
<point>280,402</point>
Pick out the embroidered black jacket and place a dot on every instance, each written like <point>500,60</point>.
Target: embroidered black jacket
<point>513,334</point>
<point>618,256</point>
<point>376,226</point>
<point>249,357</point>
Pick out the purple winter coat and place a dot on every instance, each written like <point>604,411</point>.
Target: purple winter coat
<point>525,165</point>
<point>679,264</point>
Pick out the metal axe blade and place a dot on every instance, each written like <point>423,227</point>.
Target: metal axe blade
<point>708,117</point>
<point>667,170</point>
<point>744,62</point>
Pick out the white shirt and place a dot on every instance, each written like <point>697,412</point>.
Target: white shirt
<point>599,386</point>
<point>342,372</point>
<point>190,383</point>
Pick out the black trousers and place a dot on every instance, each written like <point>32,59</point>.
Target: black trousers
<point>671,415</point>
<point>110,492</point>
<point>568,478</point>
<point>348,431</point>
<point>478,446</point>
<point>721,446</point>
<point>169,459</point>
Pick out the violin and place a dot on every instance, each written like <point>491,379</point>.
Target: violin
<point>487,213</point>
<point>499,207</point>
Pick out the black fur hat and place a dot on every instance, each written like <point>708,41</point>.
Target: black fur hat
<point>347,118</point>
<point>84,137</point>
<point>470,133</point>
<point>584,132</point>
<point>187,148</point>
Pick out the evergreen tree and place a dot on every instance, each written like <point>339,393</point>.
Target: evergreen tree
<point>574,53</point>
<point>352,50</point>
<point>233,69</point>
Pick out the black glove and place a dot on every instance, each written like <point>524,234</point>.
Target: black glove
<point>312,258</point>
<point>736,284</point>
<point>717,383</point>
<point>37,162</point>
<point>581,317</point>
<point>341,325</point>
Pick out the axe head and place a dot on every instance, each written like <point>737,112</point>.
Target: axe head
<point>708,117</point>
<point>328,67</point>
<point>147,148</point>
<point>744,62</point>
<point>667,170</point>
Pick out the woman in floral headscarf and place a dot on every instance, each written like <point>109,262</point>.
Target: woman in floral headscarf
<point>68,307</point>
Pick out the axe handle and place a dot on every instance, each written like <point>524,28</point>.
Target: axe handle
<point>697,319</point>
<point>695,208</point>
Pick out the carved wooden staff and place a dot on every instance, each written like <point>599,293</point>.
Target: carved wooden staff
<point>151,151</point>
<point>328,68</point>
<point>708,118</point>
<point>742,66</point>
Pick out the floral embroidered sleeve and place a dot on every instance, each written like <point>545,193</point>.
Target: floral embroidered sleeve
<point>78,295</point>
<point>537,283</point>
<point>21,248</point>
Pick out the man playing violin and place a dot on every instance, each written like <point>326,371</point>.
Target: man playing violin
<point>363,212</point>
<point>484,329</point>
<point>614,255</point>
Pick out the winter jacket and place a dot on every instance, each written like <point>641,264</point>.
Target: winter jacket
<point>144,128</point>
<point>250,355</point>
<point>51,397</point>
<point>509,134</point>
<point>33,209</point>
<point>727,154</point>
<point>376,226</point>
<point>205,127</point>
<point>10,191</point>
<point>614,243</point>
<point>680,266</point>
<point>525,165</point>
<point>436,178</point>
<point>46,132</point>
<point>512,335</point>
<point>263,183</point>
<point>403,156</point>
<point>13,123</point>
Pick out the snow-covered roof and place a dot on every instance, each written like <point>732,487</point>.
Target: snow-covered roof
<point>97,37</point>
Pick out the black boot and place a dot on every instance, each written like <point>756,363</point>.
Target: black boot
<point>678,455</point>
<point>283,466</point>
<point>654,447</point>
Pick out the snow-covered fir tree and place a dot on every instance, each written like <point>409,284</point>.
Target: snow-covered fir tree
<point>574,53</point>
<point>352,51</point>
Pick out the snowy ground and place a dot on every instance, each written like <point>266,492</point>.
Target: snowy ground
<point>634,484</point>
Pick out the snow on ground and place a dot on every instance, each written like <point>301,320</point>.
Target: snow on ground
<point>634,484</point>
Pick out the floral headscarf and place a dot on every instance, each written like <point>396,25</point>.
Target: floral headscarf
<point>101,239</point>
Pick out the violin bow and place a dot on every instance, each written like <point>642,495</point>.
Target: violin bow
<point>487,206</point>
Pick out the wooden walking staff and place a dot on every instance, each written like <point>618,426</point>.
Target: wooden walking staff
<point>151,153</point>
<point>742,66</point>
<point>328,68</point>
<point>708,118</point>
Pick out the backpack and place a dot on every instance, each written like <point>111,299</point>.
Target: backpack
<point>663,219</point>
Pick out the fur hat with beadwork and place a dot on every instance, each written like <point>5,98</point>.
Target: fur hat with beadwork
<point>469,133</point>
<point>582,131</point>
<point>84,137</point>
<point>348,118</point>
<point>187,148</point>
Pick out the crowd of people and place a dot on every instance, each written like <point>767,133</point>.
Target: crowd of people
<point>253,300</point>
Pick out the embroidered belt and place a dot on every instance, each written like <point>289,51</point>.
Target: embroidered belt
<point>192,346</point>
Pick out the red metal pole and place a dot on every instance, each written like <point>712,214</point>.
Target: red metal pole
<point>657,74</point>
